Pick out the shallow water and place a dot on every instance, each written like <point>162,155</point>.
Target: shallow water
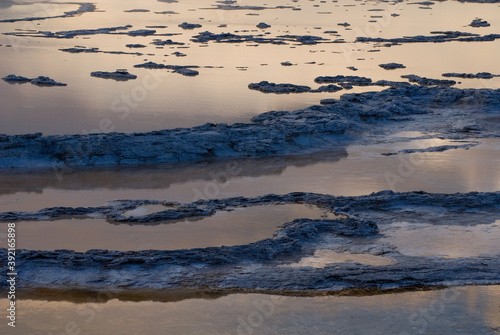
<point>444,240</point>
<point>237,227</point>
<point>357,171</point>
<point>220,94</point>
<point>463,310</point>
<point>146,210</point>
<point>325,257</point>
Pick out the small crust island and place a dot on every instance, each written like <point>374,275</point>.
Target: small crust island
<point>119,74</point>
<point>39,81</point>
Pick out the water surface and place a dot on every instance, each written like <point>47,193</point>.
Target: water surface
<point>225,228</point>
<point>462,310</point>
<point>160,100</point>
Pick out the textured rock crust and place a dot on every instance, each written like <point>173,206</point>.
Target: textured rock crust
<point>259,265</point>
<point>437,37</point>
<point>189,26</point>
<point>479,75</point>
<point>77,50</point>
<point>267,87</point>
<point>263,25</point>
<point>117,75</point>
<point>70,33</point>
<point>428,81</point>
<point>392,66</point>
<point>186,70</point>
<point>206,36</point>
<point>316,128</point>
<point>479,23</point>
<point>39,81</point>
